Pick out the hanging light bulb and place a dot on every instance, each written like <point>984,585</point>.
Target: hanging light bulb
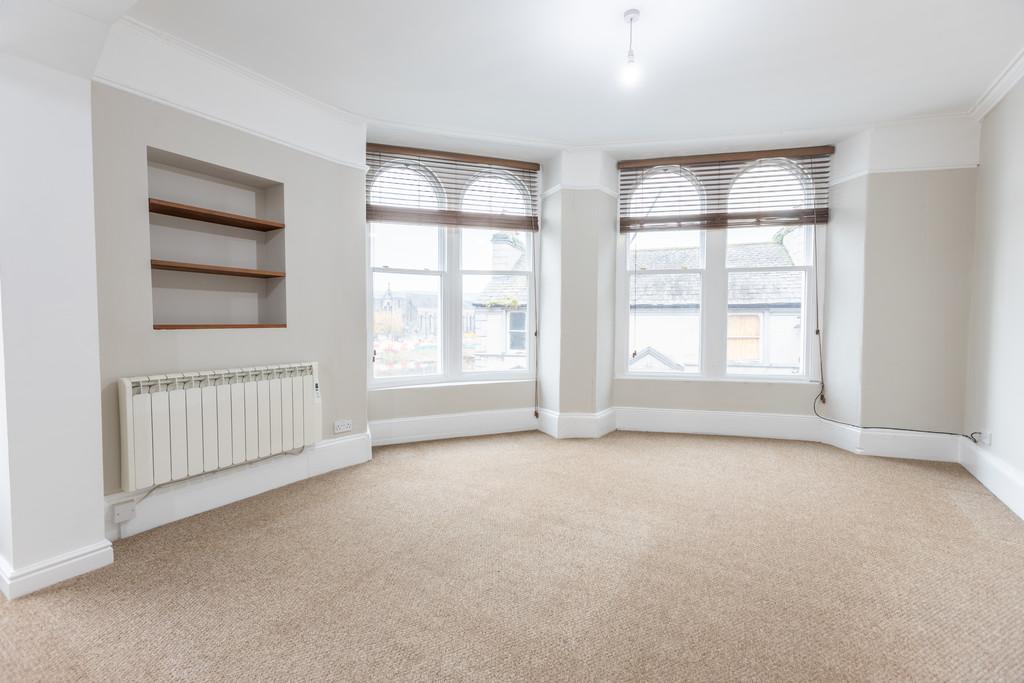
<point>631,72</point>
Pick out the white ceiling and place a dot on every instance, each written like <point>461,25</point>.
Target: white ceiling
<point>547,73</point>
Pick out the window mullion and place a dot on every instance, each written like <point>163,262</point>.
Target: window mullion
<point>716,302</point>
<point>452,342</point>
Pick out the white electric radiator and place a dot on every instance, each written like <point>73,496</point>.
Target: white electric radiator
<point>181,425</point>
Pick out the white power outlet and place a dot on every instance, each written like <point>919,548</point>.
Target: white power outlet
<point>985,438</point>
<point>124,512</point>
<point>342,426</point>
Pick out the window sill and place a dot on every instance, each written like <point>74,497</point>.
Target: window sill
<point>717,380</point>
<point>451,383</point>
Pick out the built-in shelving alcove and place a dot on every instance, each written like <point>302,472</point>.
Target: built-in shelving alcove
<point>217,246</point>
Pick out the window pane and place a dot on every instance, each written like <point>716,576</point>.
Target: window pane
<point>407,186</point>
<point>766,335</point>
<point>665,250</point>
<point>496,194</point>
<point>665,191</point>
<point>495,250</point>
<point>517,330</point>
<point>495,310</point>
<point>763,186</point>
<point>768,247</point>
<point>769,184</point>
<point>413,247</point>
<point>664,323</point>
<point>406,325</point>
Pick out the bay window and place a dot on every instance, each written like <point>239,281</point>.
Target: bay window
<point>718,264</point>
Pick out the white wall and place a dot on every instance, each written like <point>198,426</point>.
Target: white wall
<point>577,299</point>
<point>549,298</point>
<point>5,461</point>
<point>587,300</point>
<point>920,229</point>
<point>843,329</point>
<point>50,337</point>
<point>439,399</point>
<point>995,368</point>
<point>898,272</point>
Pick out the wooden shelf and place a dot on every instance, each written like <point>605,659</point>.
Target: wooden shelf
<point>213,270</point>
<point>221,326</point>
<point>198,213</point>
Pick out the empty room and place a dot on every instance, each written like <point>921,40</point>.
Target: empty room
<point>668,340</point>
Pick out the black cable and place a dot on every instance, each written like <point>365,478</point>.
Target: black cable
<point>535,242</point>
<point>294,451</point>
<point>971,437</point>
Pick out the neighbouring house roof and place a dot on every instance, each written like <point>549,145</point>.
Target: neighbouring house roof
<point>650,355</point>
<point>504,291</point>
<point>678,290</point>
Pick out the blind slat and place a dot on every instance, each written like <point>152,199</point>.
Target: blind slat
<point>395,214</point>
<point>416,186</point>
<point>737,189</point>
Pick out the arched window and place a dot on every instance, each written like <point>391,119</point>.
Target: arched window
<point>494,193</point>
<point>495,285</point>
<point>407,186</point>
<point>666,191</point>
<point>766,301</point>
<point>768,184</point>
<point>665,270</point>
<point>406,263</point>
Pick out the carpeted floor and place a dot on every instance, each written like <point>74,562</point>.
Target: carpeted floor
<point>633,557</point>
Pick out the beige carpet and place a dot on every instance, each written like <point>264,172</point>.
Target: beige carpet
<point>634,557</point>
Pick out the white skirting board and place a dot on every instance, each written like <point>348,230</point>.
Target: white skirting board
<point>722,423</point>
<point>886,443</point>
<point>15,583</point>
<point>577,425</point>
<point>451,426</point>
<point>881,442</point>
<point>1004,481</point>
<point>192,496</point>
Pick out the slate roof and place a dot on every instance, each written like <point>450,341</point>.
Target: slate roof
<point>505,291</point>
<point>745,289</point>
<point>683,290</point>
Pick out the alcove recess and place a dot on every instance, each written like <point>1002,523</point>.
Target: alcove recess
<point>217,246</point>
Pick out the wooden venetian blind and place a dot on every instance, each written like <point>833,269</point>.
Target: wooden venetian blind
<point>738,189</point>
<point>406,185</point>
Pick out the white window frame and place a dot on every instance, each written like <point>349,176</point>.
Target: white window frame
<point>714,313</point>
<point>450,308</point>
<point>714,316</point>
<point>623,320</point>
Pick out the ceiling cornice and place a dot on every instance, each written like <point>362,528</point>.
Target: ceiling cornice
<point>237,68</point>
<point>1003,83</point>
<point>154,65</point>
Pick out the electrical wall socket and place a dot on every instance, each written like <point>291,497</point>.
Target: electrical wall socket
<point>985,438</point>
<point>124,512</point>
<point>342,426</point>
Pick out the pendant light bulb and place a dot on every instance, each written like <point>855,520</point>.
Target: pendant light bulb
<point>631,71</point>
